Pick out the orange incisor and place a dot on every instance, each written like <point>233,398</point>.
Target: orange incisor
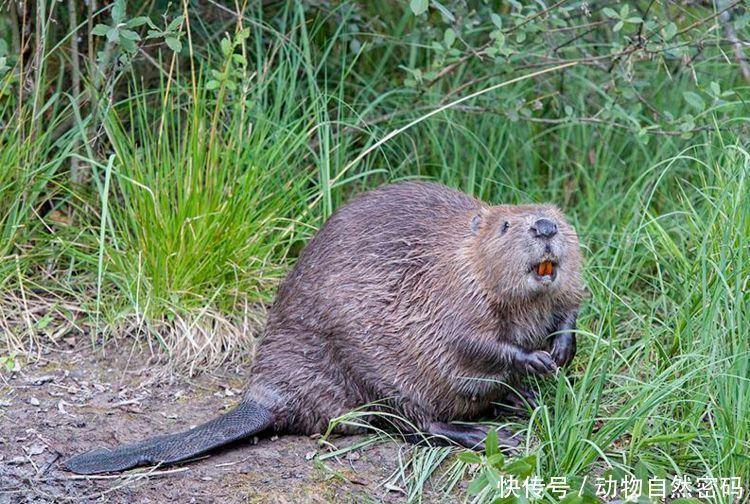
<point>545,268</point>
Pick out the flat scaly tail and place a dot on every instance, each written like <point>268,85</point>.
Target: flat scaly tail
<point>246,419</point>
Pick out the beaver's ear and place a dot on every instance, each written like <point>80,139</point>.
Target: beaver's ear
<point>476,222</point>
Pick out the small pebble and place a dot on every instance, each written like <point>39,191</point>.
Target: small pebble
<point>36,449</point>
<point>34,401</point>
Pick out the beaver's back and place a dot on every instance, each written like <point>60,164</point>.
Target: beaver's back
<point>371,249</point>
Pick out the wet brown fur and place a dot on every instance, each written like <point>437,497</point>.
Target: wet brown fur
<point>397,298</point>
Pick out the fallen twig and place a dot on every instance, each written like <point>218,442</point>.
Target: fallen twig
<point>130,476</point>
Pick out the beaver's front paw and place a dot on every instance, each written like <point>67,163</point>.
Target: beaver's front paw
<point>563,348</point>
<point>538,363</point>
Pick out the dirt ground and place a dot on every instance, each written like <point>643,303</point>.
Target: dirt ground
<point>76,399</point>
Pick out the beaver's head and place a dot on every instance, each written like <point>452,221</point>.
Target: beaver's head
<point>527,251</point>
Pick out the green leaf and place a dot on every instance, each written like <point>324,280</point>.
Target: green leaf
<point>173,43</point>
<point>634,20</point>
<point>139,21</point>
<point>493,477</point>
<point>530,460</point>
<point>477,485</point>
<point>212,84</point>
<point>226,46</point>
<point>496,460</point>
<point>687,124</point>
<point>491,446</point>
<point>467,457</point>
<point>610,13</point>
<point>496,20</point>
<point>618,26</point>
<point>100,30</point>
<point>670,30</point>
<point>118,11</point>
<point>715,88</point>
<point>128,45</point>
<point>130,35</point>
<point>614,473</point>
<point>694,100</point>
<point>43,322</point>
<point>444,11</point>
<point>10,362</point>
<point>641,471</point>
<point>419,6</point>
<point>449,37</point>
<point>113,35</point>
<point>175,24</point>
<point>243,35</point>
<point>499,39</point>
<point>519,468</point>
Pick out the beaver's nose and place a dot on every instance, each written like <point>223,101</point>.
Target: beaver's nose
<point>544,228</point>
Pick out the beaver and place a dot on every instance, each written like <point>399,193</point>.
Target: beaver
<point>415,297</point>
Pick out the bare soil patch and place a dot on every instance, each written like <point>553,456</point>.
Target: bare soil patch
<point>78,399</point>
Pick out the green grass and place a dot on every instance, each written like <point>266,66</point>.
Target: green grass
<point>200,197</point>
<point>656,355</point>
<point>198,222</point>
<point>30,159</point>
<point>33,147</point>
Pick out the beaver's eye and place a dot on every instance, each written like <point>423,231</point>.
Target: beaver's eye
<point>505,227</point>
